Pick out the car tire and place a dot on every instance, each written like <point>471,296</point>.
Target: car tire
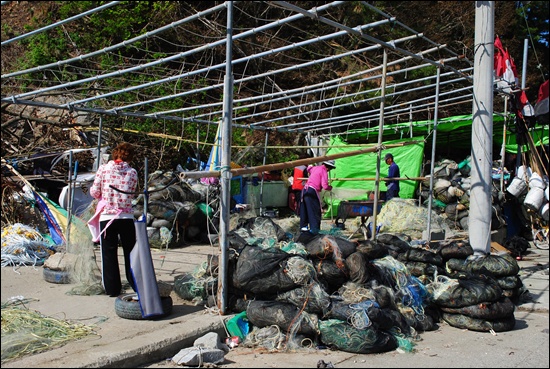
<point>128,307</point>
<point>56,276</point>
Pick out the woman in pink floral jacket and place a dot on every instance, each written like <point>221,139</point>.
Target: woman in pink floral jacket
<point>117,216</point>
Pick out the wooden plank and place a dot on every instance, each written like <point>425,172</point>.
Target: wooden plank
<point>496,247</point>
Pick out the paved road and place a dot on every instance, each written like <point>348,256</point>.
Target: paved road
<point>524,347</point>
<point>127,343</point>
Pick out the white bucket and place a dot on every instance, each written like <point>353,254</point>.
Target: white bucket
<point>517,187</point>
<point>544,211</point>
<point>536,181</point>
<point>546,193</point>
<point>534,199</point>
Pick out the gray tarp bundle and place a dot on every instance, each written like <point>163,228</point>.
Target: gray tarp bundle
<point>331,288</point>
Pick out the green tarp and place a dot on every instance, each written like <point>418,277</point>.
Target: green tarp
<point>452,132</point>
<point>409,157</point>
<point>455,131</point>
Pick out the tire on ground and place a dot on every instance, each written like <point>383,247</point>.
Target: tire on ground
<point>56,276</point>
<point>128,308</point>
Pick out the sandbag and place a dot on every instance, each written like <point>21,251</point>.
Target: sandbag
<point>395,240</point>
<point>517,246</point>
<point>418,269</point>
<point>456,211</point>
<point>510,282</point>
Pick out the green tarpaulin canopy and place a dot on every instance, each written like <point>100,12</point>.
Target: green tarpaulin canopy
<point>409,158</point>
<point>452,133</point>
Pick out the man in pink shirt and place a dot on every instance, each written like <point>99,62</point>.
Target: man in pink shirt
<point>310,206</point>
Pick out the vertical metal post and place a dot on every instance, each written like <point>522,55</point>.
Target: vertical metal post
<point>198,151</point>
<point>145,185</point>
<point>222,294</point>
<point>380,134</point>
<point>68,199</point>
<point>482,130</point>
<point>519,160</point>
<point>262,182</point>
<point>524,67</point>
<point>434,143</point>
<point>98,161</point>
<point>503,148</point>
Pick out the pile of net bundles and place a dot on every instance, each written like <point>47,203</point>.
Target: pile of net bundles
<point>364,297</point>
<point>174,214</point>
<point>451,194</point>
<point>321,292</point>
<point>405,216</point>
<point>478,292</point>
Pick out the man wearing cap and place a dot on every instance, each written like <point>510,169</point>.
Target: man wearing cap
<point>310,206</point>
<point>393,172</point>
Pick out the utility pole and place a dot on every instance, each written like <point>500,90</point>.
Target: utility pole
<point>482,130</point>
<point>226,166</point>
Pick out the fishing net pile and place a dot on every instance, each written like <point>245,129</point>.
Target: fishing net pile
<point>365,296</point>
<point>404,215</point>
<point>27,332</point>
<point>177,211</point>
<point>24,245</point>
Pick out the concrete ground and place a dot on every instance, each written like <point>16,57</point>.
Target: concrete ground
<point>120,342</point>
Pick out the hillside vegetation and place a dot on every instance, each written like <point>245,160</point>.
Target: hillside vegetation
<point>25,134</point>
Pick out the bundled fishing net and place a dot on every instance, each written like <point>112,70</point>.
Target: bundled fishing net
<point>260,228</point>
<point>84,271</point>
<point>273,339</point>
<point>27,332</point>
<point>356,314</point>
<point>496,265</point>
<point>455,293</point>
<point>196,286</point>
<point>289,224</point>
<point>392,272</point>
<point>312,298</point>
<point>352,292</point>
<point>481,325</point>
<point>292,247</point>
<point>403,215</point>
<point>23,245</point>
<point>270,338</point>
<point>345,337</point>
<point>300,270</point>
<point>287,316</point>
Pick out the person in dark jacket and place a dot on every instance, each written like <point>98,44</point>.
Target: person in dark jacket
<point>393,172</point>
